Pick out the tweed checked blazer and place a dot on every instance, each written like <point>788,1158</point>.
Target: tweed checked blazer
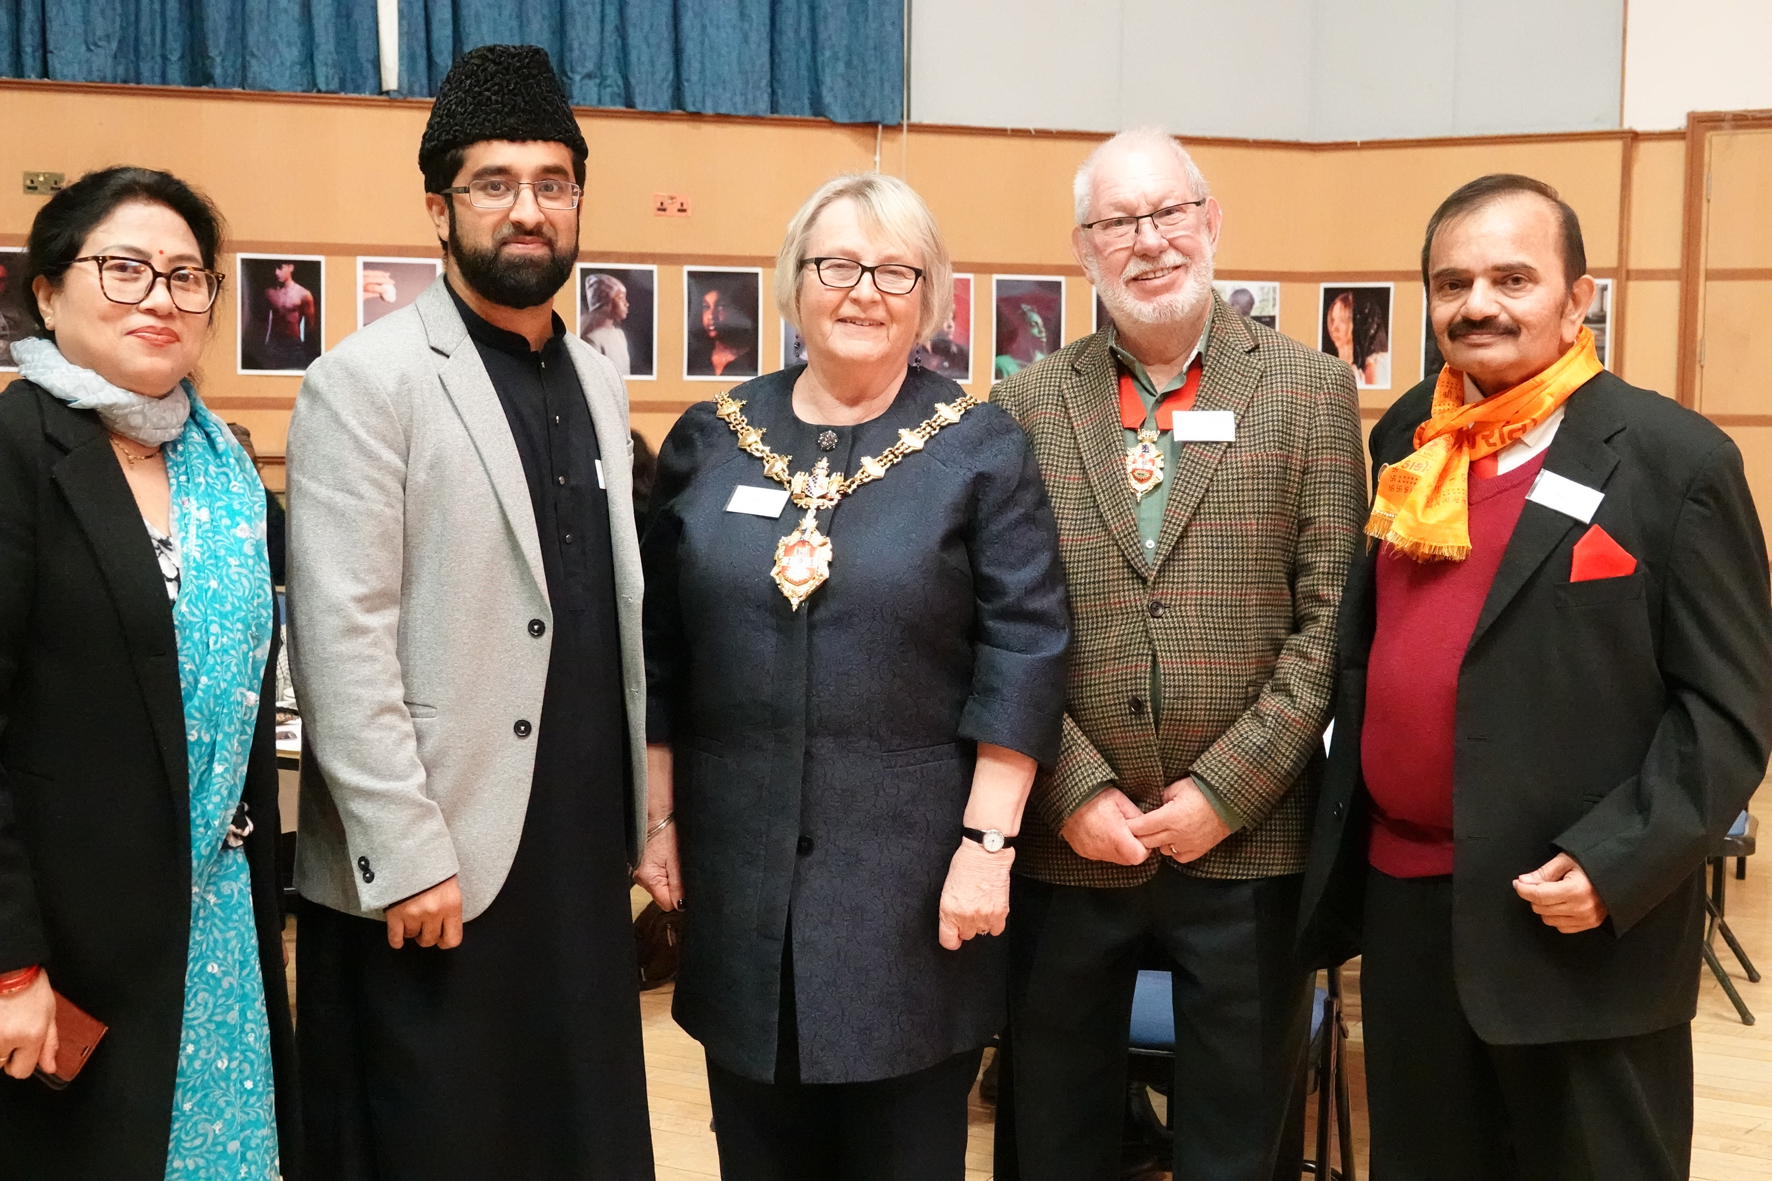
<point>1238,600</point>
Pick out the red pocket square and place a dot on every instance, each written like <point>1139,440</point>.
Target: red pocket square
<point>1598,556</point>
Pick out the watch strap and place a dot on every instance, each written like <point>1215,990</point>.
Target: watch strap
<point>977,834</point>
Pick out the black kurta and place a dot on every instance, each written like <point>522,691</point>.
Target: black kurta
<point>517,1054</point>
<point>824,757</point>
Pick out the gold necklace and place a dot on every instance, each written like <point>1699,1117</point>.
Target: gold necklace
<point>803,557</point>
<point>130,457</point>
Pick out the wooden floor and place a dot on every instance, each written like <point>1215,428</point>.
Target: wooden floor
<point>1733,1068</point>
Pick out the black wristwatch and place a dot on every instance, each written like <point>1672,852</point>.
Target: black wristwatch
<point>992,839</point>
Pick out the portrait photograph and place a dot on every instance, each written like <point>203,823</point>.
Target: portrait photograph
<point>282,311</point>
<point>388,284</point>
<point>949,351</point>
<point>1255,298</point>
<point>617,315</point>
<point>15,321</point>
<point>1029,321</point>
<point>1599,320</point>
<point>1354,323</point>
<point>1101,316</point>
<point>793,347</point>
<point>722,314</point>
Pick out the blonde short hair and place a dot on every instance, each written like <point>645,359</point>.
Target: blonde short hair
<point>891,207</point>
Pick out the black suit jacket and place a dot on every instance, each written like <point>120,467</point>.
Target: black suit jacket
<point>95,847</point>
<point>1624,721</point>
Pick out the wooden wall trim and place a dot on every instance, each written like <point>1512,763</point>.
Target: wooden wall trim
<point>1699,126</point>
<point>1627,163</point>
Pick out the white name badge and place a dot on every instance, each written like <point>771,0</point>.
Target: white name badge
<point>1205,426</point>
<point>1566,496</point>
<point>600,482</point>
<point>758,502</point>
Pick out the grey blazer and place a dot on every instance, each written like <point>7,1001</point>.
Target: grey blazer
<point>414,574</point>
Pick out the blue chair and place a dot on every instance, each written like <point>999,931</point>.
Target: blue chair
<point>1151,1048</point>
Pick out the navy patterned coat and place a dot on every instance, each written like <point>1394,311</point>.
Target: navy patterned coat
<point>823,757</point>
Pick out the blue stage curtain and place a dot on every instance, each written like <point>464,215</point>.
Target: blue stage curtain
<point>290,45</point>
<point>839,59</point>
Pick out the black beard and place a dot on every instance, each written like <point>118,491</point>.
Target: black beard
<point>510,282</point>
<point>1461,328</point>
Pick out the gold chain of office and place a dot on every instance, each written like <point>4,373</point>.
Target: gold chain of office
<point>803,557</point>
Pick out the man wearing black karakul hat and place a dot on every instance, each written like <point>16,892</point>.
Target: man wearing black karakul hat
<point>465,629</point>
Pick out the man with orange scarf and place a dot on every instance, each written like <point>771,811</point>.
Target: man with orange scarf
<point>1555,698</point>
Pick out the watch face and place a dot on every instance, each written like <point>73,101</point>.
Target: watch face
<point>993,841</point>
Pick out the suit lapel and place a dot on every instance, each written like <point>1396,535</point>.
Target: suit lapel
<point>98,494</point>
<point>1094,409</point>
<point>465,380</point>
<point>1580,453</point>
<point>613,443</point>
<point>1229,381</point>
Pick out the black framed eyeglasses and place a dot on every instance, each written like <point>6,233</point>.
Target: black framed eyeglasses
<point>130,281</point>
<point>1116,230</point>
<point>493,192</point>
<point>890,278</point>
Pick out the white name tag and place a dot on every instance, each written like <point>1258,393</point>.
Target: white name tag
<point>1205,426</point>
<point>758,502</point>
<point>1566,496</point>
<point>600,482</point>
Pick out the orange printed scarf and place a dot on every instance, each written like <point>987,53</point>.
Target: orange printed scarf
<point>1422,507</point>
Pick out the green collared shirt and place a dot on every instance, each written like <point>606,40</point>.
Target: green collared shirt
<point>1150,510</point>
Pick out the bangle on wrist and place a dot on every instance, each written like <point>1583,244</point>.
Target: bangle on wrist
<point>20,980</point>
<point>659,827</point>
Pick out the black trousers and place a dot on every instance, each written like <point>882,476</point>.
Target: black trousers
<point>1242,1024</point>
<point>1447,1106</point>
<point>908,1128</point>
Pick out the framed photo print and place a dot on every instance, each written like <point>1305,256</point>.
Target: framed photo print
<point>388,284</point>
<point>949,351</point>
<point>15,321</point>
<point>618,315</point>
<point>1028,321</point>
<point>281,301</point>
<point>1354,323</point>
<point>723,309</point>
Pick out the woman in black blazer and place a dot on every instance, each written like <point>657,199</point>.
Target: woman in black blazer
<point>138,780</point>
<point>850,715</point>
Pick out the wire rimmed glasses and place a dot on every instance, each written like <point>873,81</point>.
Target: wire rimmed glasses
<point>494,192</point>
<point>130,281</point>
<point>890,278</point>
<point>1168,221</point>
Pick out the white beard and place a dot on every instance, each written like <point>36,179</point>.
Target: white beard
<point>1123,306</point>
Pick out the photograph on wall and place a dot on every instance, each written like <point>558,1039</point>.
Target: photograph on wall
<point>722,315</point>
<point>793,349</point>
<point>1354,323</point>
<point>618,315</point>
<point>388,284</point>
<point>282,310</point>
<point>1599,320</point>
<point>949,351</point>
<point>1255,298</point>
<point>1028,321</point>
<point>15,321</point>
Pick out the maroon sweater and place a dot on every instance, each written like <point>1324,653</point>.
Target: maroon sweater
<point>1426,614</point>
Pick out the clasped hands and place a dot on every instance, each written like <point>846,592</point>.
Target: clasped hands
<point>1110,827</point>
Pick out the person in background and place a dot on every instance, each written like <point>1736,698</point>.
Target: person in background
<point>847,719</point>
<point>465,629</point>
<point>1556,697</point>
<point>645,472</point>
<point>276,520</point>
<point>605,307</point>
<point>138,776</point>
<point>1204,573</point>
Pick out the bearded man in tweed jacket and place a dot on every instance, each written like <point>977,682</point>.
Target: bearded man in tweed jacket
<point>1176,820</point>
